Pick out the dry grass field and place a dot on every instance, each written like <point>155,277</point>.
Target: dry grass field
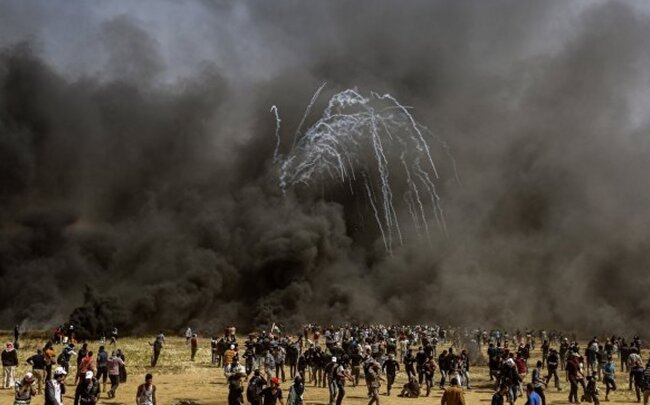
<point>179,380</point>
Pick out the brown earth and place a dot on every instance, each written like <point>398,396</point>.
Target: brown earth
<point>200,383</point>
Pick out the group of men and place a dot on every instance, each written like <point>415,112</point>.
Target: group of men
<point>50,372</point>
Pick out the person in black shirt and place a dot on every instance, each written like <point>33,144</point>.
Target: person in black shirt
<point>235,389</point>
<point>420,359</point>
<point>552,362</point>
<point>500,396</point>
<point>409,362</point>
<point>443,364</point>
<point>356,359</point>
<point>37,362</point>
<point>390,367</point>
<point>271,395</point>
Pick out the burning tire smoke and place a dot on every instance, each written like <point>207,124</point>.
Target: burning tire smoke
<point>139,186</point>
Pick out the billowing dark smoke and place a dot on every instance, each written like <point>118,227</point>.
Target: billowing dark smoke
<point>137,181</point>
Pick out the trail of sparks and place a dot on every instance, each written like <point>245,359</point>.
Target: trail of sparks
<point>337,146</point>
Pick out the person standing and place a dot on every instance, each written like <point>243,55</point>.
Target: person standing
<point>194,346</point>
<point>146,394</point>
<point>55,388</point>
<point>37,362</point>
<point>9,363</point>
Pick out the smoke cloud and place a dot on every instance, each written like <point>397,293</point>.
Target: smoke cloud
<point>139,190</point>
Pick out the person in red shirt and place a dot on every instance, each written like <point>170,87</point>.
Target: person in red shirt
<point>86,364</point>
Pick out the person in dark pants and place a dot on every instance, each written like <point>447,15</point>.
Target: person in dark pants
<point>420,360</point>
<point>157,346</point>
<point>390,367</point>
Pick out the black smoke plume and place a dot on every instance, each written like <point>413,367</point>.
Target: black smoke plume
<point>138,189</point>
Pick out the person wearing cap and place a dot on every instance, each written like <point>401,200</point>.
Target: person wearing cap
<point>55,388</point>
<point>87,392</point>
<point>272,394</point>
<point>453,395</point>
<point>37,362</point>
<point>146,393</point>
<point>25,390</point>
<point>9,364</point>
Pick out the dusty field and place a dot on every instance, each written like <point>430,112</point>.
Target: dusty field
<point>178,379</point>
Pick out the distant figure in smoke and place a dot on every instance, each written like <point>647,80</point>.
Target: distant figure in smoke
<point>194,346</point>
<point>188,335</point>
<point>157,346</point>
<point>16,334</point>
<point>146,394</point>
<point>114,334</point>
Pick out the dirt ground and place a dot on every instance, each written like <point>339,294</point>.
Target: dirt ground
<point>178,379</point>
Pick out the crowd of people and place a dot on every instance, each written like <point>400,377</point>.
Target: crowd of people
<point>255,367</point>
<point>88,371</point>
<point>335,356</point>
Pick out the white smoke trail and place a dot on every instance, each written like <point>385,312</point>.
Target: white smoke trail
<point>353,128</point>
